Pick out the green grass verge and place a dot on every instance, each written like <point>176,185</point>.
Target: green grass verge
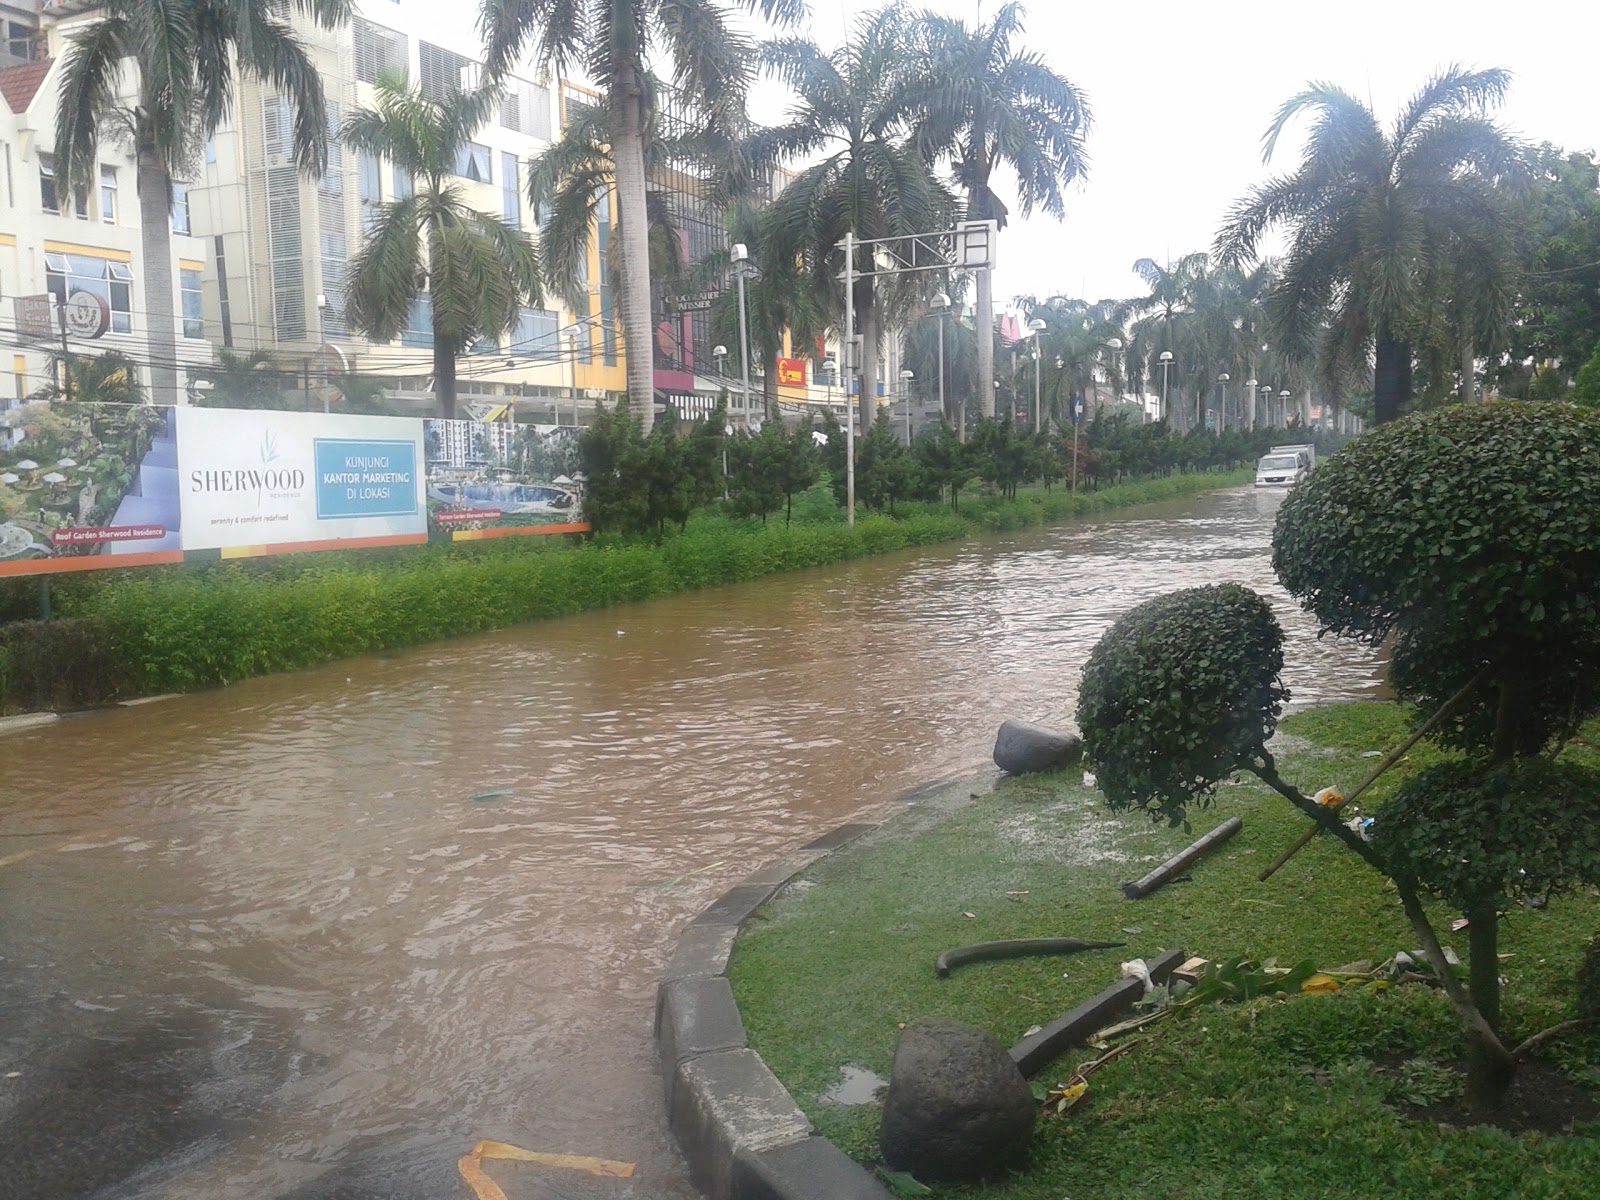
<point>172,629</point>
<point>1277,1098</point>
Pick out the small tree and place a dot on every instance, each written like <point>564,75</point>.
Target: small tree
<point>946,463</point>
<point>757,471</point>
<point>799,469</point>
<point>1471,535</point>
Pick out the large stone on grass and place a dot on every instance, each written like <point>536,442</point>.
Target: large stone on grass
<point>1021,748</point>
<point>957,1109</point>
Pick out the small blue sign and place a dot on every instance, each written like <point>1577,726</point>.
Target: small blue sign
<point>1077,409</point>
<point>362,478</point>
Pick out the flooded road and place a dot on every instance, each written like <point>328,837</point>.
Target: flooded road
<point>311,937</point>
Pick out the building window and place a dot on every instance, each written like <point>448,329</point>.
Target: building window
<point>442,72</point>
<point>378,51</point>
<point>180,208</point>
<point>472,162</point>
<point>510,190</point>
<point>369,188</point>
<point>608,333</point>
<point>49,199</point>
<point>403,186</point>
<point>418,333</point>
<point>111,281</point>
<point>211,150</point>
<point>193,312</point>
<point>108,195</point>
<point>537,334</point>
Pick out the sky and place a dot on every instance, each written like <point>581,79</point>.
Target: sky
<point>1181,94</point>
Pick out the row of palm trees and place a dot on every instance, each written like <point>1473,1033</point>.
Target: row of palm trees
<point>1396,236</point>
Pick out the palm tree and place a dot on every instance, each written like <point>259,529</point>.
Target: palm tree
<point>986,103</point>
<point>184,53</point>
<point>109,378</point>
<point>1080,346</point>
<point>1160,312</point>
<point>851,107</point>
<point>780,302</point>
<point>1383,225</point>
<point>612,41</point>
<point>477,271</point>
<point>567,183</point>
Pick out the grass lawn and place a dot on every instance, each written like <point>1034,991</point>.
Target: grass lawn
<point>1283,1098</point>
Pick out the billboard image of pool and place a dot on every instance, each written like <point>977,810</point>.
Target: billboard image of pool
<point>496,478</point>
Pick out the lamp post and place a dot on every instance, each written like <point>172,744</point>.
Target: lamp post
<point>1283,406</point>
<point>1166,361</point>
<point>720,354</point>
<point>570,336</point>
<point>741,256</point>
<point>1249,401</point>
<point>905,398</point>
<point>940,304</point>
<point>1036,327</point>
<point>1266,404</point>
<point>1222,410</point>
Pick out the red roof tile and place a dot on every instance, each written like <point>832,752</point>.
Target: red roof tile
<point>19,85</point>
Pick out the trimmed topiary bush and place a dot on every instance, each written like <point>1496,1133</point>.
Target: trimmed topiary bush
<point>1180,693</point>
<point>1473,535</point>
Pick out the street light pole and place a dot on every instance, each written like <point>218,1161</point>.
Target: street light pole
<point>1037,327</point>
<point>849,375</point>
<point>1166,361</point>
<point>941,305</point>
<point>1266,404</point>
<point>1222,411</point>
<point>905,398</point>
<point>741,256</point>
<point>570,336</point>
<point>1249,401</point>
<point>1283,406</point>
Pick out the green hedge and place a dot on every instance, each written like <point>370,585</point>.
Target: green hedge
<point>161,630</point>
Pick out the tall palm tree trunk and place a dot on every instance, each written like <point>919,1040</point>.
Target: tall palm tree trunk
<point>1391,383</point>
<point>984,319</point>
<point>1469,371</point>
<point>154,186</point>
<point>444,376</point>
<point>633,226</point>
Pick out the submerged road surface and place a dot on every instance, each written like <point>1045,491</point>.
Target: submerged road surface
<point>313,936</point>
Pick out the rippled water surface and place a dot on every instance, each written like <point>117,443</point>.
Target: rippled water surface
<point>313,936</point>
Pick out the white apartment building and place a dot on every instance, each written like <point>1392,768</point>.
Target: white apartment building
<point>278,246</point>
<point>50,246</point>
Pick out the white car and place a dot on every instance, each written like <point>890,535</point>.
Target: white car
<point>1282,470</point>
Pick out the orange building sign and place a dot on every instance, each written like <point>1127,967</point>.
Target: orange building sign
<point>792,372</point>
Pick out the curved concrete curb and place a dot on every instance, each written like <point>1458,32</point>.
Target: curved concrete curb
<point>742,1134</point>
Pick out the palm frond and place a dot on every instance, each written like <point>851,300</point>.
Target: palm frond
<point>388,271</point>
<point>88,94</point>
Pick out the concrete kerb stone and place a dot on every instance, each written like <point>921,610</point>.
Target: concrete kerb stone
<point>23,721</point>
<point>740,1131</point>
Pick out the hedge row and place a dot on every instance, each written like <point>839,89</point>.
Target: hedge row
<point>161,631</point>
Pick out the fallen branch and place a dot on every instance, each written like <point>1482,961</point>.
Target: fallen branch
<point>1163,874</point>
<point>1013,948</point>
<point>1551,1034</point>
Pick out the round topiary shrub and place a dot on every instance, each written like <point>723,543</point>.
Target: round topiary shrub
<point>1181,692</point>
<point>1523,827</point>
<point>1473,533</point>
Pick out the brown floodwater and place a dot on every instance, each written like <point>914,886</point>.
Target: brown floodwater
<point>313,936</point>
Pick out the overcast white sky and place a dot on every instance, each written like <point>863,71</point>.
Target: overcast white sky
<point>1182,93</point>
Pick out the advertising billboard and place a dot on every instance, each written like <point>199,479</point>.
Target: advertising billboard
<point>84,486</point>
<point>792,372</point>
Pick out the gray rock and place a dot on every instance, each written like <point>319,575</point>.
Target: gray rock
<point>958,1108</point>
<point>1021,748</point>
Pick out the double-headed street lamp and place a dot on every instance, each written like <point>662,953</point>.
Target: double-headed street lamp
<point>1166,361</point>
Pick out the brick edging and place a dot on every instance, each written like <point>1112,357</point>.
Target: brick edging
<point>740,1131</point>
